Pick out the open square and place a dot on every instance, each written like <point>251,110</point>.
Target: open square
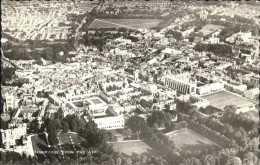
<point>189,140</point>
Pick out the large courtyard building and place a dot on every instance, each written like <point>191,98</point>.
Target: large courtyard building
<point>182,83</point>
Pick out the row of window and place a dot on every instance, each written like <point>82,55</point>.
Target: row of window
<point>108,127</point>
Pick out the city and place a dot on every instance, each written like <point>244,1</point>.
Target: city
<point>121,82</point>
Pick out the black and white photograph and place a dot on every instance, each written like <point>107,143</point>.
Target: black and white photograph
<point>130,82</point>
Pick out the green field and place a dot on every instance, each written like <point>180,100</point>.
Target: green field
<point>210,28</point>
<point>70,138</point>
<point>124,23</point>
<point>39,143</point>
<point>223,98</point>
<point>189,140</point>
<point>130,147</point>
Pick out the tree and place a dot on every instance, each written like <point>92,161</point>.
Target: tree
<point>184,124</point>
<point>136,123</point>
<point>157,117</point>
<point>249,158</point>
<point>65,127</point>
<point>128,133</point>
<point>235,161</point>
<point>118,161</point>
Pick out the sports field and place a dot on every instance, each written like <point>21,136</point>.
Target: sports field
<point>223,98</point>
<point>131,146</point>
<point>189,140</point>
<point>70,138</point>
<point>210,28</point>
<point>124,23</point>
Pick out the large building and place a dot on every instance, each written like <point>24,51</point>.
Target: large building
<point>10,101</point>
<point>109,123</point>
<point>97,106</point>
<point>182,83</point>
<point>9,136</point>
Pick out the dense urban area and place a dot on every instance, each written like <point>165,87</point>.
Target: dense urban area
<point>138,82</point>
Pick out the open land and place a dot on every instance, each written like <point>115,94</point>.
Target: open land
<point>130,147</point>
<point>189,140</point>
<point>124,23</point>
<point>223,98</point>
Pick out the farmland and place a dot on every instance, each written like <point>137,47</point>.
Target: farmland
<point>124,23</point>
<point>189,140</point>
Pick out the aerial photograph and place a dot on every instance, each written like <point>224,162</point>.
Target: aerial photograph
<point>130,82</point>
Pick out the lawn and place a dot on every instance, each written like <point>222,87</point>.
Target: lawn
<point>124,23</point>
<point>189,140</point>
<point>131,146</point>
<point>96,101</point>
<point>80,103</point>
<point>210,28</point>
<point>223,98</point>
<point>39,143</point>
<point>70,138</point>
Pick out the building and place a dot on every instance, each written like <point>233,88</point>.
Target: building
<point>240,38</point>
<point>55,100</point>
<point>10,101</point>
<point>9,136</point>
<point>213,40</point>
<point>109,123</point>
<point>182,83</point>
<point>203,14</point>
<point>208,88</point>
<point>252,93</point>
<point>97,107</point>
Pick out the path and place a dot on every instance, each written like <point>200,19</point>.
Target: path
<point>116,24</point>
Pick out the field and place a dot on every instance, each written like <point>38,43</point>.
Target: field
<point>129,147</point>
<point>70,138</point>
<point>222,98</point>
<point>39,143</point>
<point>210,28</point>
<point>124,23</point>
<point>189,140</point>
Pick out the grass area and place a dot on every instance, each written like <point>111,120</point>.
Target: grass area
<point>80,103</point>
<point>130,147</point>
<point>96,101</point>
<point>39,143</point>
<point>124,23</point>
<point>189,140</point>
<point>223,98</point>
<point>210,28</point>
<point>70,138</point>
